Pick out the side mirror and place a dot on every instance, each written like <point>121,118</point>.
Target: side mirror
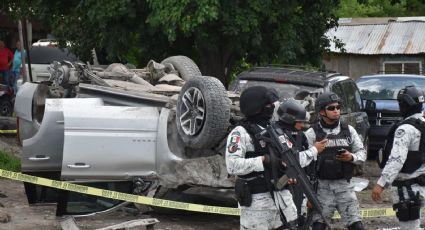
<point>369,105</point>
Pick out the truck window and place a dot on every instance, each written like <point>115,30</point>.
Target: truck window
<point>337,88</point>
<point>353,98</point>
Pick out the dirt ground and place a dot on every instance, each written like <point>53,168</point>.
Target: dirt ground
<point>24,217</point>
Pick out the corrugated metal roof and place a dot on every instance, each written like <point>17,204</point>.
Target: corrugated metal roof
<point>376,20</point>
<point>394,37</point>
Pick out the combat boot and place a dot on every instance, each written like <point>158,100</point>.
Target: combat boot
<point>356,226</point>
<point>319,226</point>
<point>292,225</point>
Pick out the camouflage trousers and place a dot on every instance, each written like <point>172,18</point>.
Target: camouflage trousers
<point>264,213</point>
<point>338,195</point>
<point>413,224</point>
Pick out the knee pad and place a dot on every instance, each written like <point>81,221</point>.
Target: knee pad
<point>319,226</point>
<point>356,226</point>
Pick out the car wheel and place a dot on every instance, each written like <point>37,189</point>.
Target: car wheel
<point>184,65</point>
<point>203,112</point>
<point>6,108</point>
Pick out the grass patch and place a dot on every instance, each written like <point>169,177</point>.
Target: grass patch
<point>9,162</point>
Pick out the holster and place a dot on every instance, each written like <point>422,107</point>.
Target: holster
<point>243,193</point>
<point>408,209</point>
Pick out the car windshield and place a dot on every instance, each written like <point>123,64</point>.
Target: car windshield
<point>285,90</point>
<point>47,54</point>
<point>386,88</point>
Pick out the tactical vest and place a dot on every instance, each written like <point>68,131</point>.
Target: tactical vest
<point>328,167</point>
<point>256,180</point>
<point>414,159</point>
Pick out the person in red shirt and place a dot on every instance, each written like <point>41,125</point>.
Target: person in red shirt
<point>6,58</point>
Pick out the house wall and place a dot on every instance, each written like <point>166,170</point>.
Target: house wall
<point>356,66</point>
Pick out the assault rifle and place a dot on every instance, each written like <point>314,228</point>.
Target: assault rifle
<point>280,151</point>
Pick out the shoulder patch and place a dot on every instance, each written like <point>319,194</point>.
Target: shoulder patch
<point>235,133</point>
<point>233,148</point>
<point>399,133</point>
<point>234,139</point>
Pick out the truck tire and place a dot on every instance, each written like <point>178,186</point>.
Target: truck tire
<point>6,107</point>
<point>203,112</point>
<point>184,65</point>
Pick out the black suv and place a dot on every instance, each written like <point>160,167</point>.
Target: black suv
<point>380,94</point>
<point>305,86</point>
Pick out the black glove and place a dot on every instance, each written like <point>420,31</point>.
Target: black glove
<point>278,164</point>
<point>281,167</point>
<point>267,161</point>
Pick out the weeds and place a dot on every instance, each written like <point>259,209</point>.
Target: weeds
<point>9,162</point>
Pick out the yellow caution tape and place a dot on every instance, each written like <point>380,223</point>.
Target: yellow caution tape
<point>365,213</point>
<point>11,131</point>
<point>372,213</point>
<point>118,195</point>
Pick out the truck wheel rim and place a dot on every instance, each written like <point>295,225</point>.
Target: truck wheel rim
<point>5,110</point>
<point>192,111</point>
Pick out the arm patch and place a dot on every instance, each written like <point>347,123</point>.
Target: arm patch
<point>399,133</point>
<point>234,142</point>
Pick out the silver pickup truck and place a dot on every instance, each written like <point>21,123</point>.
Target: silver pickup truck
<point>112,136</point>
<point>123,131</point>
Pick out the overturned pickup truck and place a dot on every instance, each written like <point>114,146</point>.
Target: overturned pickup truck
<point>157,131</point>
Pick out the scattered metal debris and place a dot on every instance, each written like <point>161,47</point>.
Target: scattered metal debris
<point>69,223</point>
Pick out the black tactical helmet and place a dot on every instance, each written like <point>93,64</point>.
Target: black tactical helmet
<point>410,100</point>
<point>325,99</point>
<point>291,111</point>
<point>411,96</point>
<point>253,100</point>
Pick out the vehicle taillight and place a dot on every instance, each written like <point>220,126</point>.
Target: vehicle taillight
<point>277,80</point>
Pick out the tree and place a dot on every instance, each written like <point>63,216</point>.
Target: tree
<point>224,32</point>
<point>380,8</point>
<point>215,33</point>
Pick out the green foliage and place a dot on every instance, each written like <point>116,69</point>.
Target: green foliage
<point>415,7</point>
<point>108,26</point>
<point>240,66</point>
<point>9,162</point>
<point>380,8</point>
<point>185,17</point>
<point>256,30</point>
<point>217,34</point>
<point>17,9</point>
